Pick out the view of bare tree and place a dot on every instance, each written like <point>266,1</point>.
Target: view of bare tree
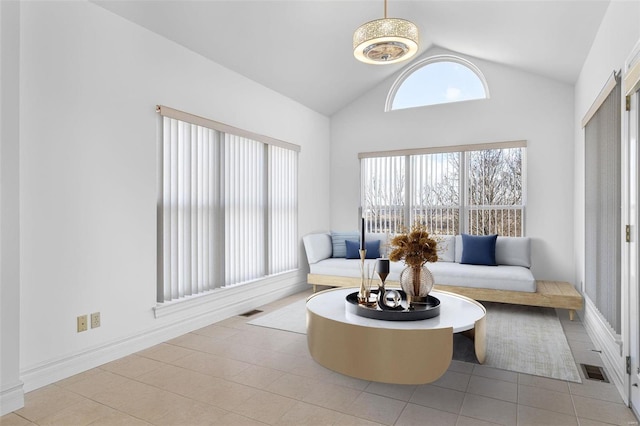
<point>493,188</point>
<point>385,204</point>
<point>437,204</point>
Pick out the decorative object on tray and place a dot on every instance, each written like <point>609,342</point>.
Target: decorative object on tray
<point>417,282</point>
<point>403,312</point>
<point>363,294</point>
<point>382,269</point>
<point>391,299</point>
<point>416,248</point>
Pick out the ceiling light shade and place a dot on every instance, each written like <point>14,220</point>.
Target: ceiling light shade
<point>385,41</point>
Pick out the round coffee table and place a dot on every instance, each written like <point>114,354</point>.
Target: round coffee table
<point>401,352</point>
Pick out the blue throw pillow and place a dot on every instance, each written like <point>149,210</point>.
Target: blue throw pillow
<point>479,249</point>
<point>337,242</point>
<point>353,249</point>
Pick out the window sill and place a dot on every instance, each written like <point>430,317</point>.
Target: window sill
<point>229,295</point>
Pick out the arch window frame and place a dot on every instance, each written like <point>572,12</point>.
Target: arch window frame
<point>426,62</point>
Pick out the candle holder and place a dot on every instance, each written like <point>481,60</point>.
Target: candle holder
<point>382,268</point>
<point>363,294</point>
<point>381,290</point>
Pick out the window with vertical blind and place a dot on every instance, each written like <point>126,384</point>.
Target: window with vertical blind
<point>475,189</point>
<point>602,129</point>
<point>227,209</point>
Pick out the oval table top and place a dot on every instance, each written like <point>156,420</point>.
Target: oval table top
<point>457,312</point>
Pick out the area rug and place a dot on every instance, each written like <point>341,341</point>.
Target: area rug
<point>524,339</point>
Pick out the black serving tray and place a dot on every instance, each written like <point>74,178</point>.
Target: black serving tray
<point>420,311</point>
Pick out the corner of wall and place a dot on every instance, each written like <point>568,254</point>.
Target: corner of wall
<point>12,398</point>
<point>11,389</point>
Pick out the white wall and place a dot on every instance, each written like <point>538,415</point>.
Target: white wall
<point>11,395</point>
<point>522,107</point>
<point>90,81</point>
<point>618,33</point>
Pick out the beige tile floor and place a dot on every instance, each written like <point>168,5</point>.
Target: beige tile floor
<point>233,373</point>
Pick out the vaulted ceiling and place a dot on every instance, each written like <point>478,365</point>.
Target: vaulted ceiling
<point>302,48</point>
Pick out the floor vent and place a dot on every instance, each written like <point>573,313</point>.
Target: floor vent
<point>593,372</point>
<point>250,313</point>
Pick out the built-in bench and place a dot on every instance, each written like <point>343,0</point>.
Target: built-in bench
<point>549,294</point>
<point>509,281</point>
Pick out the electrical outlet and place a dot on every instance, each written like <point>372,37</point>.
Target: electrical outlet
<point>82,323</point>
<point>95,320</point>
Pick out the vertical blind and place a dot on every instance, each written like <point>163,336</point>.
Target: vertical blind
<point>227,206</point>
<point>602,207</point>
<point>244,209</point>
<point>435,184</point>
<point>477,189</point>
<point>189,209</point>
<point>283,207</point>
<point>494,191</point>
<point>383,193</point>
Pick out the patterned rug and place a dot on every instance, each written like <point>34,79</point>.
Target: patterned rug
<point>525,339</point>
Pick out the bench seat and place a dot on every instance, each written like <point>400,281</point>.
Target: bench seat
<point>548,294</point>
<point>510,282</point>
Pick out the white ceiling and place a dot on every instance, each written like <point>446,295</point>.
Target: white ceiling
<point>302,48</point>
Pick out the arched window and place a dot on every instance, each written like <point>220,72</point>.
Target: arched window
<point>437,80</point>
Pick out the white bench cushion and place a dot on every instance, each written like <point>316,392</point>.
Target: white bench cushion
<point>513,256</point>
<point>339,248</point>
<point>317,246</point>
<point>501,277</point>
<point>446,248</point>
<point>515,251</point>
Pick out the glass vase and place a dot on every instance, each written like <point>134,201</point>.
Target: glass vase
<point>417,282</point>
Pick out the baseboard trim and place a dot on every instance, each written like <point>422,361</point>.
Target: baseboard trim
<point>229,302</point>
<point>12,398</point>
<point>611,347</point>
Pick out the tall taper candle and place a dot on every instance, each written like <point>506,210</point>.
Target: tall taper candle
<point>362,246</point>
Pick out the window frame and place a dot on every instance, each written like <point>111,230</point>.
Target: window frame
<point>464,206</point>
<point>218,204</point>
<point>424,63</point>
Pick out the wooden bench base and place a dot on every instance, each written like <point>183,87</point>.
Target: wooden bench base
<point>549,294</point>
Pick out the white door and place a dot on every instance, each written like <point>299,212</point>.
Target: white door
<point>634,259</point>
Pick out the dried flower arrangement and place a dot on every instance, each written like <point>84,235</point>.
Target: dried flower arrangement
<point>415,247</point>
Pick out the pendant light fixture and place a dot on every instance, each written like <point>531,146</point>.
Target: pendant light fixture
<point>385,41</point>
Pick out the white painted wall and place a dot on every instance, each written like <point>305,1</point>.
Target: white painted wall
<point>88,86</point>
<point>90,81</point>
<point>522,106</point>
<point>11,395</point>
<point>618,33</point>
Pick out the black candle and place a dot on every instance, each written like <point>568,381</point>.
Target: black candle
<point>383,266</point>
<point>362,235</point>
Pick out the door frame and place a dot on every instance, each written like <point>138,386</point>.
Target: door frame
<point>631,216</point>
<point>632,311</point>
